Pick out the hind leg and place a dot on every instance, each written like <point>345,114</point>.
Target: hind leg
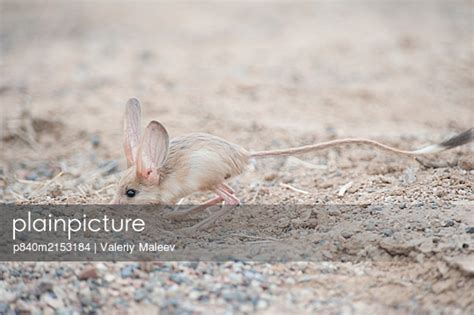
<point>224,192</point>
<point>227,193</point>
<point>179,214</point>
<point>227,188</point>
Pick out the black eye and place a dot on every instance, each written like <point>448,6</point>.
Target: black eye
<point>131,193</point>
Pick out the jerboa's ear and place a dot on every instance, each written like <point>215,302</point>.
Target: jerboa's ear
<point>131,130</point>
<point>152,152</point>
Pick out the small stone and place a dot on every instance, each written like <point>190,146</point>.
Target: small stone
<point>32,176</point>
<point>234,295</point>
<point>109,277</point>
<point>402,206</point>
<point>194,295</point>
<point>48,311</point>
<point>327,254</point>
<point>4,307</point>
<point>59,272</point>
<point>302,266</point>
<point>246,308</point>
<point>270,176</point>
<point>262,304</point>
<point>470,230</point>
<point>440,193</point>
<point>448,223</point>
<point>290,281</point>
<point>409,176</point>
<point>140,294</point>
<point>85,295</point>
<point>8,297</point>
<point>370,225</point>
<point>235,277</point>
<point>191,264</point>
<point>95,140</point>
<point>22,308</point>
<point>254,275</point>
<point>466,163</point>
<point>127,271</point>
<point>178,278</point>
<point>44,287</point>
<point>64,311</point>
<point>101,267</point>
<point>346,234</point>
<point>54,303</point>
<point>89,273</point>
<point>334,212</point>
<point>387,232</point>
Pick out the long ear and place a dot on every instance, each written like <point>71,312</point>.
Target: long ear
<point>131,130</point>
<point>152,152</point>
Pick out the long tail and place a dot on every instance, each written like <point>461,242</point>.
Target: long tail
<point>458,140</point>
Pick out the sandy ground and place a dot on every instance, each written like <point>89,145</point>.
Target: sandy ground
<point>264,76</point>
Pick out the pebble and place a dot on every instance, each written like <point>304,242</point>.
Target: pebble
<point>270,176</point>
<point>89,273</point>
<point>127,271</point>
<point>54,303</point>
<point>262,304</point>
<point>4,307</point>
<point>254,275</point>
<point>140,294</point>
<point>101,267</point>
<point>190,264</point>
<point>246,308</point>
<point>466,163</point>
<point>387,232</point>
<point>194,295</point>
<point>32,176</point>
<point>290,281</point>
<point>234,295</point>
<point>346,234</point>
<point>59,272</point>
<point>369,225</point>
<point>22,308</point>
<point>448,223</point>
<point>85,295</point>
<point>48,311</point>
<point>64,311</point>
<point>470,230</point>
<point>409,176</point>
<point>95,140</point>
<point>235,277</point>
<point>109,277</point>
<point>44,287</point>
<point>8,297</point>
<point>178,278</point>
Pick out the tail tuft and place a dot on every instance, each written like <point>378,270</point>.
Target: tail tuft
<point>460,139</point>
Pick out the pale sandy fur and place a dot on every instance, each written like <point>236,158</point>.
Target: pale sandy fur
<point>195,162</point>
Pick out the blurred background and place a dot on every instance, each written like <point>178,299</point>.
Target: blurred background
<point>263,75</point>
